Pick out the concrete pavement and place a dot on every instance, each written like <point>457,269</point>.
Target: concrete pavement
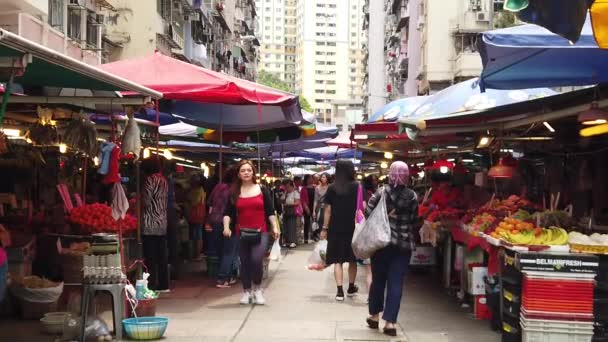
<point>300,307</point>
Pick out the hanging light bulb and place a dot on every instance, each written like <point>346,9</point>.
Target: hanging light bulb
<point>388,155</point>
<point>146,153</point>
<point>384,165</point>
<point>96,161</point>
<point>168,155</point>
<point>63,148</point>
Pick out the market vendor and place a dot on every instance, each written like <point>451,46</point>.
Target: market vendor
<point>445,195</point>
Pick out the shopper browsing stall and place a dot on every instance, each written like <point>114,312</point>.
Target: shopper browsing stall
<point>228,245</point>
<point>154,224</point>
<point>319,205</point>
<point>307,196</point>
<point>291,205</point>
<point>250,216</point>
<point>196,214</point>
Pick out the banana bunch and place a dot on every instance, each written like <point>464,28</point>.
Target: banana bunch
<point>553,236</point>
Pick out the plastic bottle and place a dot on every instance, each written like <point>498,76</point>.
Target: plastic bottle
<point>140,289</point>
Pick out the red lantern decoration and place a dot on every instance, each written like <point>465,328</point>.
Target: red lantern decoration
<point>389,88</point>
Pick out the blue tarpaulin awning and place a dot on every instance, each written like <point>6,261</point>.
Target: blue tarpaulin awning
<point>529,56</point>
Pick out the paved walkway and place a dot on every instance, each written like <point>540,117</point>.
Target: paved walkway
<point>301,307</point>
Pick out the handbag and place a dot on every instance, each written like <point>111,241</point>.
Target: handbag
<point>374,233</point>
<point>251,236</point>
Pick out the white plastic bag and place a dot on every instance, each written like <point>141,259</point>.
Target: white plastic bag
<point>374,233</point>
<point>275,252</point>
<point>41,295</point>
<point>428,234</point>
<point>316,261</point>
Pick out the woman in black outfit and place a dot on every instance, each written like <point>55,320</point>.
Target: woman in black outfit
<point>339,225</point>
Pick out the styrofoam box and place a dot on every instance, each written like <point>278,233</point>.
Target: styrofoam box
<point>534,330</point>
<point>477,285</point>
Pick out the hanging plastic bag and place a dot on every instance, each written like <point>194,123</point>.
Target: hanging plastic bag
<point>316,261</point>
<point>374,234</point>
<point>428,234</point>
<point>275,252</point>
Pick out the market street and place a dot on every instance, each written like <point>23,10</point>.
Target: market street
<point>301,307</point>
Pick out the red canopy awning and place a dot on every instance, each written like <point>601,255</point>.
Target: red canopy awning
<point>179,80</point>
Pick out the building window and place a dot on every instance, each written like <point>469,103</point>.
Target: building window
<point>319,81</point>
<point>320,63</point>
<point>331,63</point>
<point>330,82</point>
<point>74,28</point>
<point>319,91</point>
<point>331,92</point>
<point>353,70</point>
<point>331,43</point>
<point>353,79</point>
<point>331,25</point>
<point>320,43</point>
<point>92,30</point>
<point>332,5</point>
<point>56,14</point>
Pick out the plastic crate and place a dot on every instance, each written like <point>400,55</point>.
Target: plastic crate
<point>534,330</point>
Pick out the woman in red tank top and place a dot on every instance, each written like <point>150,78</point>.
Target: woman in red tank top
<point>250,212</point>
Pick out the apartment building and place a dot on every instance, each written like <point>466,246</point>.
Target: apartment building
<point>70,27</point>
<point>329,68</point>
<point>215,34</point>
<point>430,45</point>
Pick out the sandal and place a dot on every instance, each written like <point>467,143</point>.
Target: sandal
<point>390,332</point>
<point>372,324</point>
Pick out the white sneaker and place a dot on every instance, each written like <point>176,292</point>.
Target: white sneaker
<point>246,299</point>
<point>259,297</point>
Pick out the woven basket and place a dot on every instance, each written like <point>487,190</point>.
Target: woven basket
<point>72,267</point>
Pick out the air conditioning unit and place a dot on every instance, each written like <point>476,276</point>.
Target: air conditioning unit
<point>483,17</point>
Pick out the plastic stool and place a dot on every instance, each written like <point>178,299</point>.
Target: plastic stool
<point>118,305</point>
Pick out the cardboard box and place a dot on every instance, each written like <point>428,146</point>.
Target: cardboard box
<point>423,256</point>
<point>477,285</point>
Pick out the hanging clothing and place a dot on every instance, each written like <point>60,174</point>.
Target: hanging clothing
<point>113,175</point>
<point>106,152</point>
<point>120,203</point>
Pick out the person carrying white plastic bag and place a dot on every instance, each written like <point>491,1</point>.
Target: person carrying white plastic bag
<point>316,261</point>
<point>275,252</point>
<point>373,233</point>
<point>390,264</point>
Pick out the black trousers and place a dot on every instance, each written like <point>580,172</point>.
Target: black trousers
<point>307,227</point>
<point>156,258</point>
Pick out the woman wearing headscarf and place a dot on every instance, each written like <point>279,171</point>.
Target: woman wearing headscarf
<point>390,264</point>
<point>339,226</point>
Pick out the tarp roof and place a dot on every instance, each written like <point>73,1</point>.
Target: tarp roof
<point>528,56</point>
<point>53,69</point>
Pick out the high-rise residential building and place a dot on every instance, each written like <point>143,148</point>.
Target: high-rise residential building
<point>329,68</point>
<point>70,27</point>
<point>277,33</point>
<point>215,34</point>
<point>271,23</point>
<point>428,45</point>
